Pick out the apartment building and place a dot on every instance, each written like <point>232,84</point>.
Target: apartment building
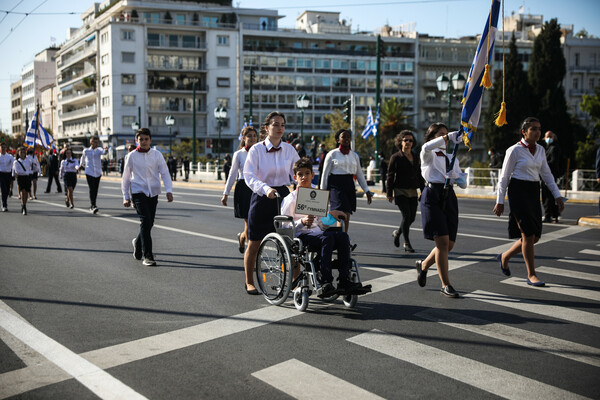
<point>34,76</point>
<point>17,123</point>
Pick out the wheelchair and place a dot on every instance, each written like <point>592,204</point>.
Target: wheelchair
<point>279,253</point>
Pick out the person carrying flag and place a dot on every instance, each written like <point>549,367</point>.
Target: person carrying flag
<point>91,160</point>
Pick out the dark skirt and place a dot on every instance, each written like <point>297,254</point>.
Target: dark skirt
<point>70,179</point>
<point>342,193</point>
<point>241,199</point>
<point>435,220</point>
<point>262,212</point>
<point>34,176</point>
<point>525,208</point>
<point>24,182</point>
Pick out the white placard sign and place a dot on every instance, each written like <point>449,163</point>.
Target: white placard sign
<point>312,201</point>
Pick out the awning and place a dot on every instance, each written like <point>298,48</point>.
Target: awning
<point>91,38</point>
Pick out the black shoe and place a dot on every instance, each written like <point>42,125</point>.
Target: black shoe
<point>449,291</point>
<point>149,262</point>
<point>94,210</point>
<point>421,275</point>
<point>67,202</point>
<point>24,210</point>
<point>241,246</point>
<point>346,286</point>
<point>327,290</point>
<point>137,251</point>
<point>408,248</point>
<point>396,235</point>
<point>250,291</point>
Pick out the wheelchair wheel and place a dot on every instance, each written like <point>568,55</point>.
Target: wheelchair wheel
<point>301,299</point>
<point>273,269</point>
<point>350,300</point>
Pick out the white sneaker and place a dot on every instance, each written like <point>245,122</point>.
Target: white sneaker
<point>137,252</point>
<point>4,209</point>
<point>94,210</point>
<point>149,262</point>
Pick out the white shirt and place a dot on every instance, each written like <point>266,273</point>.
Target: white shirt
<point>264,170</point>
<point>141,174</point>
<point>6,162</point>
<point>35,165</point>
<point>22,166</point>
<point>237,169</point>
<point>68,165</point>
<point>92,161</point>
<point>288,207</point>
<point>337,163</point>
<point>520,164</point>
<point>433,162</point>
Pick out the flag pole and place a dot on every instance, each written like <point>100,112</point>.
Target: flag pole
<point>450,168</point>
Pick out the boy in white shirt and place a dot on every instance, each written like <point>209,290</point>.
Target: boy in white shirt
<point>311,231</point>
<point>141,179</point>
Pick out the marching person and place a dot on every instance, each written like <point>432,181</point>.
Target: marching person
<point>524,163</point>
<point>91,160</point>
<point>403,180</point>
<point>242,193</point>
<point>141,178</point>
<point>268,169</point>
<point>339,169</point>
<point>439,207</point>
<point>22,168</point>
<point>555,163</point>
<point>68,173</point>
<point>6,164</point>
<point>35,172</point>
<point>53,167</point>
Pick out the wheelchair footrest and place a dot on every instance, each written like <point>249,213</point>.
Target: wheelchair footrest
<point>361,290</point>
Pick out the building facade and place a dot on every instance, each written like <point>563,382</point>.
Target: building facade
<point>34,76</point>
<point>16,101</point>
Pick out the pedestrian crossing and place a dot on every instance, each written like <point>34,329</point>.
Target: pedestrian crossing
<point>539,305</point>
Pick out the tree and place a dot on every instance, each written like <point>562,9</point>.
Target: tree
<point>546,72</point>
<point>591,105</point>
<point>363,147</point>
<point>517,98</point>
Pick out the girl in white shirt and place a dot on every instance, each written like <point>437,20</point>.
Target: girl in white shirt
<point>68,173</point>
<point>268,170</point>
<point>523,165</point>
<point>242,193</point>
<point>339,168</point>
<point>22,168</point>
<point>439,208</point>
<point>35,172</point>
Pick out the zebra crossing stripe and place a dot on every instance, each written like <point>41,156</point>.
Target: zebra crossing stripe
<point>590,251</point>
<point>588,263</point>
<point>569,273</point>
<point>547,310</point>
<point>556,288</point>
<point>521,337</point>
<point>474,373</point>
<point>302,381</point>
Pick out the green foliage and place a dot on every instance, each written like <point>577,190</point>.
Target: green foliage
<point>586,154</point>
<point>392,121</point>
<point>591,105</point>
<point>517,98</point>
<point>363,147</point>
<point>13,142</point>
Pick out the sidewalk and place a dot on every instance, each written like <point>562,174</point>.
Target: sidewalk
<point>209,180</point>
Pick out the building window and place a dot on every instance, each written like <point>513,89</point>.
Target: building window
<point>591,87</point>
<point>173,41</point>
<point>223,62</point>
<point>105,80</point>
<point>127,35</point>
<point>128,100</point>
<point>223,101</point>
<point>180,19</point>
<point>104,37</point>
<point>575,83</point>
<point>577,59</point>
<point>105,122</point>
<point>104,59</point>
<point>222,40</point>
<point>128,120</point>
<point>128,79</point>
<point>222,82</point>
<point>127,57</point>
<point>105,101</point>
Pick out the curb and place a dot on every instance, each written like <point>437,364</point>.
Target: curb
<point>590,222</point>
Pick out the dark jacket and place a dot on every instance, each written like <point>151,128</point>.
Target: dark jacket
<point>555,160</point>
<point>403,174</point>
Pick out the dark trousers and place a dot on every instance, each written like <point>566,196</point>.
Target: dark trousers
<point>408,208</point>
<point>5,178</point>
<point>53,175</point>
<point>93,184</point>
<point>550,207</point>
<point>146,209</point>
<point>328,241</point>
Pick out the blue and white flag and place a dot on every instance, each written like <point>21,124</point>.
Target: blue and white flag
<point>37,134</point>
<point>369,125</point>
<point>45,138</point>
<point>474,90</point>
<point>242,136</point>
<point>376,125</point>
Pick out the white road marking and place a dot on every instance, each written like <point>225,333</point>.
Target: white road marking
<point>569,273</point>
<point>474,373</point>
<point>547,310</point>
<point>304,382</point>
<point>556,288</point>
<point>521,337</point>
<point>590,251</point>
<point>588,263</point>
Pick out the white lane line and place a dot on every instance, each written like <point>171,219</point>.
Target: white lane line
<point>587,263</point>
<point>304,382</point>
<point>95,379</point>
<point>474,373</point>
<point>521,337</point>
<point>569,273</point>
<point>590,251</point>
<point>547,310</point>
<point>556,288</point>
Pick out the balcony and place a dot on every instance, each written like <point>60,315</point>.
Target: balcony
<point>87,111</point>
<point>76,74</point>
<point>166,66</point>
<point>80,96</point>
<point>155,44</point>
<point>167,85</point>
<point>88,50</point>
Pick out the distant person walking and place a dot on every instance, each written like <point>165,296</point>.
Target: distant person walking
<point>36,171</point>
<point>68,173</point>
<point>186,167</point>
<point>22,168</point>
<point>91,160</point>
<point>6,164</point>
<point>53,167</point>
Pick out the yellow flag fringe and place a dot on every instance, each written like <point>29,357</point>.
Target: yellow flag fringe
<point>501,115</point>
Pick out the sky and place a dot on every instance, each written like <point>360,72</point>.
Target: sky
<point>22,36</point>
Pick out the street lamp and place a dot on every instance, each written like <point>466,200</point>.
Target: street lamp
<point>170,121</point>
<point>302,103</point>
<point>446,85</point>
<point>88,135</point>
<point>220,115</point>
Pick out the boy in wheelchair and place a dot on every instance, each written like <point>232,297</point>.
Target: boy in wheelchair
<point>314,233</point>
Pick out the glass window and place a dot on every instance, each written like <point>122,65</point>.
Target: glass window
<point>128,120</point>
<point>322,64</point>
<point>250,60</point>
<point>189,42</point>
<point>223,62</point>
<point>127,57</point>
<point>222,40</point>
<point>153,39</point>
<point>128,100</point>
<point>104,59</point>
<point>180,19</point>
<point>304,63</point>
<point>339,64</point>
<point>297,45</point>
<point>126,35</point>
<point>173,41</point>
<point>128,79</point>
<point>223,82</point>
<point>105,101</point>
<point>212,22</point>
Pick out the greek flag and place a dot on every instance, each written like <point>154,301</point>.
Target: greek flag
<point>369,125</point>
<point>473,89</point>
<point>245,125</point>
<point>37,134</point>
<point>376,122</point>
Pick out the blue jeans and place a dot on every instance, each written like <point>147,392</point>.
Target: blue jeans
<point>328,241</point>
<point>146,210</point>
